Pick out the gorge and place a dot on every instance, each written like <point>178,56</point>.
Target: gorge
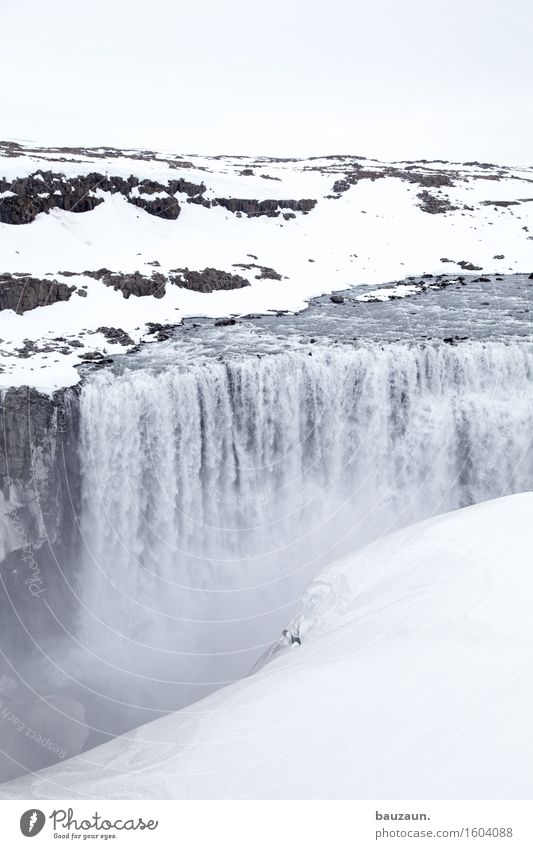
<point>219,375</point>
<point>209,490</point>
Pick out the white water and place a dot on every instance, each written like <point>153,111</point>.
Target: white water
<point>212,493</point>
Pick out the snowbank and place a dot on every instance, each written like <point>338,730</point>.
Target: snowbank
<point>373,230</point>
<point>413,680</point>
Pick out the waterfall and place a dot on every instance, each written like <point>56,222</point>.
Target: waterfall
<point>213,491</point>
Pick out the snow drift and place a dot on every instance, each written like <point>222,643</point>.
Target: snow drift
<point>413,680</point>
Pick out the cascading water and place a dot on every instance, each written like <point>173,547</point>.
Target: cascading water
<point>213,492</point>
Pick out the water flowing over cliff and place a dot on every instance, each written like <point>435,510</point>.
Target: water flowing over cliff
<point>214,483</point>
<point>213,492</point>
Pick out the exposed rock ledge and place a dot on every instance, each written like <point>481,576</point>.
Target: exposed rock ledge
<point>271,208</point>
<point>207,280</point>
<point>22,199</point>
<point>37,444</point>
<point>21,292</point>
<point>39,509</point>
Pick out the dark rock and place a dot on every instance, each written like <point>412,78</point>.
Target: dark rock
<point>271,208</point>
<point>341,186</point>
<point>200,200</point>
<point>162,331</point>
<point>208,280</point>
<point>184,186</point>
<point>97,275</point>
<point>503,203</point>
<point>225,322</point>
<point>337,299</point>
<point>163,207</point>
<point>468,266</point>
<point>115,335</point>
<point>266,273</point>
<point>46,190</point>
<point>26,293</point>
<point>91,355</point>
<point>38,442</point>
<point>435,205</point>
<point>134,284</point>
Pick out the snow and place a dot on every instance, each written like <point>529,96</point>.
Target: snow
<point>384,294</point>
<point>136,193</point>
<point>413,681</point>
<point>374,233</point>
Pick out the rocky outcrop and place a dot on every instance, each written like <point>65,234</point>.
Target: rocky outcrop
<point>468,266</point>
<point>409,173</point>
<point>505,203</point>
<point>163,207</point>
<point>38,443</point>
<point>208,280</point>
<point>64,154</point>
<point>133,284</point>
<point>138,284</point>
<point>434,204</point>
<point>265,272</point>
<point>21,292</point>
<point>116,336</point>
<point>271,208</point>
<point>184,186</point>
<point>39,510</point>
<point>26,197</point>
<point>22,199</point>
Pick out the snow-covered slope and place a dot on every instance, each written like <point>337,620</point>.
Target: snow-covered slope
<point>413,680</point>
<point>292,229</point>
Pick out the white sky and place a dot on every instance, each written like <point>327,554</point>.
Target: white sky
<point>385,78</point>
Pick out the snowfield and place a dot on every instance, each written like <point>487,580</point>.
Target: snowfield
<point>372,223</point>
<point>413,680</point>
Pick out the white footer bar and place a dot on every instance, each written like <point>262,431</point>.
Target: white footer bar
<point>269,824</point>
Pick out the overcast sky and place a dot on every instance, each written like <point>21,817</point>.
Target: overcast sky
<point>385,78</point>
